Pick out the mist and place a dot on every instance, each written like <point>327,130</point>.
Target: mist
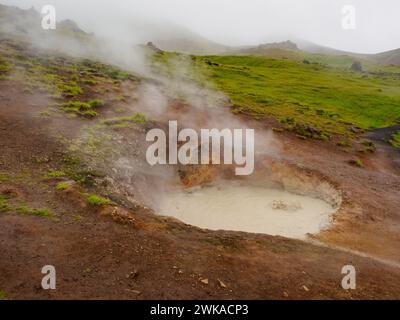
<point>236,23</point>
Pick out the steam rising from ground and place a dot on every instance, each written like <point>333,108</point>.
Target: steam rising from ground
<point>169,91</point>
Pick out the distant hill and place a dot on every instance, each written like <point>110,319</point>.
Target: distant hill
<point>26,25</point>
<point>171,37</point>
<point>388,57</point>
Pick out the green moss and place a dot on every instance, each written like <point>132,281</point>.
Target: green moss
<point>62,186</point>
<point>121,122</point>
<point>84,109</point>
<point>25,210</point>
<point>97,103</point>
<point>357,163</point>
<point>70,90</point>
<point>343,143</point>
<point>5,67</point>
<point>98,201</point>
<point>118,74</point>
<point>55,174</point>
<point>3,295</point>
<point>369,146</point>
<point>89,82</point>
<point>4,177</point>
<point>4,205</point>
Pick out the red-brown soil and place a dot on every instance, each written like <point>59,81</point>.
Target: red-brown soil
<point>117,253</point>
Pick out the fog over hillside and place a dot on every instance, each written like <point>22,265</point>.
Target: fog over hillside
<point>236,23</point>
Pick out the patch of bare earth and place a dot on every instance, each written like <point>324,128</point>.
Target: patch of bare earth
<point>129,253</point>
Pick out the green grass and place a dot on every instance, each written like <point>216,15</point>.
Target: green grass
<point>395,140</point>
<point>97,200</point>
<point>85,109</point>
<point>6,206</point>
<point>328,99</point>
<point>122,122</point>
<point>71,89</point>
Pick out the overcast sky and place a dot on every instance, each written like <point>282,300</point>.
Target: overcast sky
<point>244,22</point>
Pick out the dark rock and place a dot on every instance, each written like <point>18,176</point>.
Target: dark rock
<point>356,66</point>
<point>153,47</point>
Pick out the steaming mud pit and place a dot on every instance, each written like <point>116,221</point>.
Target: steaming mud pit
<point>254,208</point>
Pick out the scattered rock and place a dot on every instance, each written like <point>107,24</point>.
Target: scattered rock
<point>204,281</point>
<point>118,214</point>
<point>306,289</point>
<point>356,66</point>
<point>134,291</point>
<point>153,47</point>
<point>221,284</point>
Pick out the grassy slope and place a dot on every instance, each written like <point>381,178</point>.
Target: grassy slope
<point>326,97</point>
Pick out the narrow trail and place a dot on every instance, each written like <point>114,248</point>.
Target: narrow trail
<point>389,263</point>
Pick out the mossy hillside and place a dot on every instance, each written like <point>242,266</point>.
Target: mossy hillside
<point>63,78</point>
